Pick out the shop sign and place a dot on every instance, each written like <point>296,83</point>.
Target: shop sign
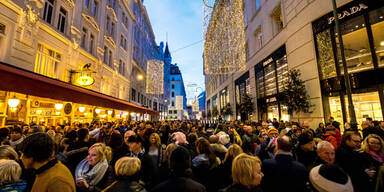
<point>67,108</point>
<point>47,105</point>
<point>348,12</point>
<point>270,100</point>
<point>84,76</point>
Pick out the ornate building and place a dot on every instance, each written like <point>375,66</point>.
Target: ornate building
<point>99,45</point>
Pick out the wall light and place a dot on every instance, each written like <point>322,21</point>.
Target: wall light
<point>13,102</point>
<point>110,112</point>
<point>58,106</point>
<point>81,109</point>
<point>97,111</point>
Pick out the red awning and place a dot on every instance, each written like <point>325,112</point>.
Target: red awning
<point>29,83</point>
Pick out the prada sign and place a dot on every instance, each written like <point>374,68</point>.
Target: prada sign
<point>348,12</point>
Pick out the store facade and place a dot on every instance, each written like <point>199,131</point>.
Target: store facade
<point>242,87</point>
<point>27,97</point>
<point>362,29</point>
<point>270,76</point>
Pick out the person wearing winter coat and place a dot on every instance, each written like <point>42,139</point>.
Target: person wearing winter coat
<point>10,172</point>
<point>127,176</point>
<point>246,174</point>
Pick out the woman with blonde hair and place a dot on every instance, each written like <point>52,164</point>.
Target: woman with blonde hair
<point>156,150</point>
<point>372,150</point>
<point>223,176</point>
<point>246,173</point>
<point>7,152</point>
<point>10,172</point>
<point>127,176</point>
<point>94,172</point>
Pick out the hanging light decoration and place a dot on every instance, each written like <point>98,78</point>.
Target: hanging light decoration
<point>109,112</point>
<point>224,46</point>
<point>39,111</point>
<point>155,76</point>
<point>97,111</point>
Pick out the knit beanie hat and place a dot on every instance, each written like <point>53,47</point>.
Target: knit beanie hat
<point>272,130</point>
<point>327,177</point>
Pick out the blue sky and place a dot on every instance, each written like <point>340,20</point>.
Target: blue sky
<point>183,21</point>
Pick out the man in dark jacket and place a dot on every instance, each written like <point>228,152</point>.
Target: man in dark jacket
<point>180,164</point>
<point>348,158</point>
<point>283,173</point>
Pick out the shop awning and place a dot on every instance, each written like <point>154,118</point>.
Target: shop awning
<point>29,83</point>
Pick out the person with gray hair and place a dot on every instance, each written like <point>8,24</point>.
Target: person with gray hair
<point>325,153</point>
<point>10,172</point>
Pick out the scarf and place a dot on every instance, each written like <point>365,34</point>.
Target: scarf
<point>377,156</point>
<point>94,175</point>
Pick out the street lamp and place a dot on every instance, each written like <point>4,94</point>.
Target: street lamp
<point>140,77</point>
<point>351,108</point>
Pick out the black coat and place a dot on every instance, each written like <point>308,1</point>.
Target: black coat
<point>241,188</point>
<point>283,173</point>
<point>125,184</point>
<point>179,184</point>
<point>306,158</point>
<point>354,164</point>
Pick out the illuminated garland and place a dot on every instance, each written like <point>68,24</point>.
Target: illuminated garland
<point>224,47</point>
<point>155,77</point>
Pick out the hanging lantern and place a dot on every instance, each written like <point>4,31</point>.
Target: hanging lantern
<point>109,112</point>
<point>58,106</point>
<point>97,111</point>
<point>13,103</point>
<point>224,46</point>
<point>39,111</point>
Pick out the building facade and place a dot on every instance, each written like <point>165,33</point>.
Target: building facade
<point>300,34</point>
<point>177,109</point>
<point>65,40</point>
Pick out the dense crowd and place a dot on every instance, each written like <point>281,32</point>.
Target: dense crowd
<point>192,156</point>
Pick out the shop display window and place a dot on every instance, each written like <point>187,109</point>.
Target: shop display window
<point>260,84</point>
<point>336,108</point>
<point>273,111</point>
<point>366,105</point>
<point>284,113</point>
<point>356,46</point>
<point>376,19</point>
<point>270,79</point>
<point>282,72</point>
<point>325,55</point>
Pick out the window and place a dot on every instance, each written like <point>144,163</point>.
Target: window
<point>91,43</point>
<point>257,4</point>
<point>121,67</point>
<point>86,3</point>
<point>123,42</point>
<point>245,17</point>
<point>376,18</point>
<point>170,111</point>
<point>259,38</point>
<point>107,24</point>
<point>173,86</point>
<point>84,38</point>
<point>62,20</point>
<point>277,20</point>
<point>173,104</point>
<point>142,99</point>
<point>110,60</point>
<point>173,94</point>
<point>133,95</point>
<point>94,8</point>
<point>112,30</point>
<point>47,61</point>
<point>48,10</point>
<point>326,59</point>
<point>105,60</point>
<point>2,29</point>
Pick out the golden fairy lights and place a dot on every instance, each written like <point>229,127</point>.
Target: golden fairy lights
<point>224,47</point>
<point>155,76</point>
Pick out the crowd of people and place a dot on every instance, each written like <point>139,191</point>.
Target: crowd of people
<point>192,156</point>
